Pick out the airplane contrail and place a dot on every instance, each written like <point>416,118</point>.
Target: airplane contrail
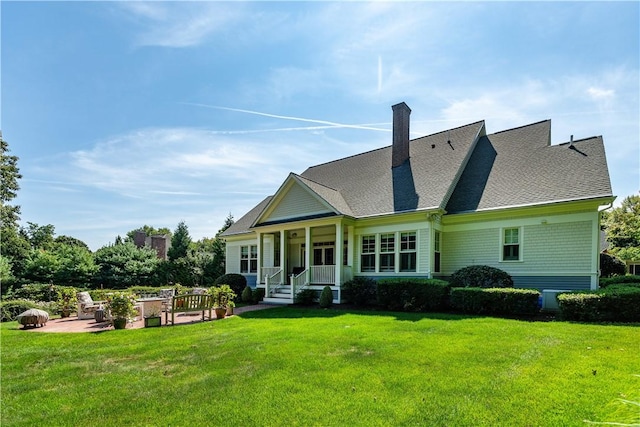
<point>300,119</point>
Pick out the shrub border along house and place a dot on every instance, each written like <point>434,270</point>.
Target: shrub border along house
<point>615,303</point>
<point>507,301</point>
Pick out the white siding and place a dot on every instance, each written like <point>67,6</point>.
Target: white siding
<point>233,254</point>
<point>297,202</point>
<point>547,247</point>
<point>424,250</point>
<point>557,247</point>
<point>470,247</point>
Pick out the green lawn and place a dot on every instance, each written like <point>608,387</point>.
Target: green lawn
<point>305,367</point>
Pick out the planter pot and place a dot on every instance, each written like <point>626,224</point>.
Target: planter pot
<point>119,323</point>
<point>152,322</point>
<point>229,311</point>
<point>220,313</point>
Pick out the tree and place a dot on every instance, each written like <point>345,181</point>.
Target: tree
<point>14,247</point>
<point>41,266</point>
<point>180,242</point>
<point>39,237</point>
<point>76,265</point>
<point>70,241</point>
<point>125,265</point>
<point>622,227</point>
<point>10,174</point>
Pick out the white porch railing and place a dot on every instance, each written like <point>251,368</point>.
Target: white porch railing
<point>272,281</point>
<point>323,274</point>
<point>268,271</point>
<point>299,282</point>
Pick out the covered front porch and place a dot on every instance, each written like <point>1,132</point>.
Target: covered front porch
<point>293,256</point>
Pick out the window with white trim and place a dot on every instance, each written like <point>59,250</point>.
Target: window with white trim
<point>368,254</point>
<point>249,259</point>
<point>436,252</point>
<point>408,251</point>
<point>387,252</point>
<point>511,241</point>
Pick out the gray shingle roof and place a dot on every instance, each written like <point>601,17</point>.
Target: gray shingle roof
<point>519,167</point>
<point>370,186</point>
<point>461,170</point>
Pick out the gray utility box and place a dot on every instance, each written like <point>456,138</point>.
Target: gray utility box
<point>549,301</point>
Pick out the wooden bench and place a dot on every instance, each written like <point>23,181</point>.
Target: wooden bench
<point>188,303</point>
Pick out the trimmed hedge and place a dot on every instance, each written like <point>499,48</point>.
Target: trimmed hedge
<point>359,291</point>
<point>305,297</point>
<point>35,292</point>
<point>258,295</point>
<point>413,294</point>
<point>237,282</point>
<point>619,280</point>
<point>495,301</point>
<point>481,276</point>
<point>11,308</point>
<point>326,297</point>
<point>616,303</point>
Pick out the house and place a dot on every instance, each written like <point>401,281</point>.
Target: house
<point>160,242</point>
<point>429,206</point>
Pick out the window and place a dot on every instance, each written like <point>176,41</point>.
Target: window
<point>387,252</point>
<point>249,259</point>
<point>511,244</point>
<point>436,252</point>
<point>408,251</point>
<point>368,251</point>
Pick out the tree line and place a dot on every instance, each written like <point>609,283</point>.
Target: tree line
<point>34,254</point>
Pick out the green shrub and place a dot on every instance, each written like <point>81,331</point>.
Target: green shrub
<point>247,294</point>
<point>619,280</point>
<point>611,266</point>
<point>305,297</point>
<point>257,295</point>
<point>413,294</point>
<point>326,297</point>
<point>144,290</point>
<point>480,276</point>
<point>359,291</point>
<point>11,308</point>
<point>35,292</point>
<point>507,301</point>
<point>616,303</point>
<point>237,282</point>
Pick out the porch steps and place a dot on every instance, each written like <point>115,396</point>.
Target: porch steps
<point>283,296</point>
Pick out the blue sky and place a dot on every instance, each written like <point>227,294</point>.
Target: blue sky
<point>133,113</point>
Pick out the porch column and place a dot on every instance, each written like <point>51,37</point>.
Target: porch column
<point>283,257</point>
<point>339,255</point>
<point>259,267</point>
<point>308,252</point>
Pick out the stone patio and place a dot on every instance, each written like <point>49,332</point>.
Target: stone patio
<point>73,324</point>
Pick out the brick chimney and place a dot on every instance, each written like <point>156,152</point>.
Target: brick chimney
<point>400,153</point>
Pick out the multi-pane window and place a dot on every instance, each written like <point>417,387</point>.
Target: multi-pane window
<point>436,252</point>
<point>387,252</point>
<point>368,251</point>
<point>511,244</point>
<point>249,259</point>
<point>408,251</point>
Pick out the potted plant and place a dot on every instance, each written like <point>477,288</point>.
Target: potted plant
<point>152,320</point>
<point>122,308</point>
<point>230,307</point>
<point>222,295</point>
<point>66,300</point>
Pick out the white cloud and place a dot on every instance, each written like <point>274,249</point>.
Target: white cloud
<point>180,24</point>
<point>599,93</point>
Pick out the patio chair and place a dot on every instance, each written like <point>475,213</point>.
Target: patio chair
<point>86,306</point>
